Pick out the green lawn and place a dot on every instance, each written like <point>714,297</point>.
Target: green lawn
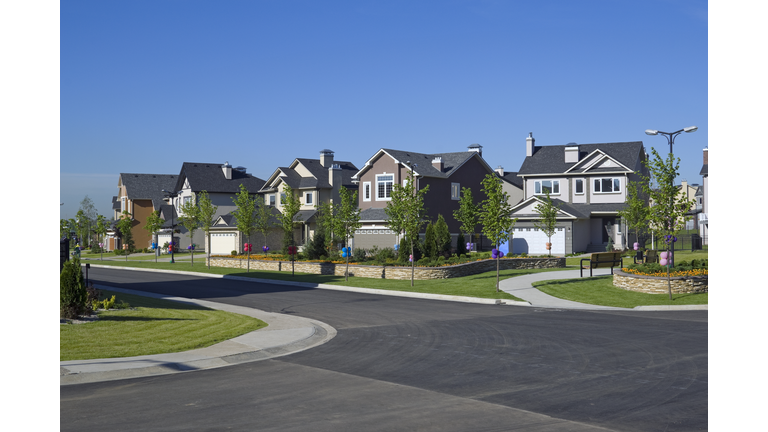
<point>599,290</point>
<point>155,326</point>
<point>481,285</point>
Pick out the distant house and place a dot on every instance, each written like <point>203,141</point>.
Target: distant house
<point>512,185</point>
<point>445,174</point>
<point>140,195</point>
<point>316,181</point>
<point>703,201</point>
<point>589,182</point>
<point>221,182</point>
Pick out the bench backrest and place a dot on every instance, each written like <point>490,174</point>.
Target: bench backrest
<point>651,256</point>
<point>605,259</point>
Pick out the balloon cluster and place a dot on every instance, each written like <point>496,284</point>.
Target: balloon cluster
<point>346,252</point>
<point>637,246</point>
<point>495,253</point>
<point>291,250</point>
<point>397,247</point>
<point>265,249</point>
<point>665,258</point>
<point>469,246</point>
<point>191,247</point>
<point>410,258</point>
<point>670,239</point>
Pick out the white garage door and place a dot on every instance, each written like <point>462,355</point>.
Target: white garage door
<point>224,243</point>
<point>533,242</point>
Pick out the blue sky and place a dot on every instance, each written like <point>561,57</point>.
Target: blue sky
<point>146,86</point>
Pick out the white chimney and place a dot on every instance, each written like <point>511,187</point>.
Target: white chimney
<point>477,148</point>
<point>500,171</point>
<point>529,144</point>
<point>326,158</point>
<point>571,153</point>
<point>437,162</point>
<point>227,168</point>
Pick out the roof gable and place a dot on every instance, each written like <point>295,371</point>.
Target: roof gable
<point>147,186</point>
<point>547,160</point>
<point>421,163</point>
<point>209,177</point>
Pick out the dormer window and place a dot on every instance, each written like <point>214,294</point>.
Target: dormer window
<point>542,187</point>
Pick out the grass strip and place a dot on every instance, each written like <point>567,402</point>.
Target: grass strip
<point>599,290</point>
<point>152,326</point>
<point>481,285</point>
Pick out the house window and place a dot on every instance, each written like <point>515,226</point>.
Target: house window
<point>455,191</point>
<point>272,200</point>
<point>282,198</point>
<point>542,187</point>
<point>308,198</point>
<point>607,185</point>
<point>579,186</point>
<point>384,184</point>
<point>367,191</point>
<point>122,204</point>
<point>187,199</point>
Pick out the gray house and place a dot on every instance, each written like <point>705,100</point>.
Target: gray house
<point>589,182</point>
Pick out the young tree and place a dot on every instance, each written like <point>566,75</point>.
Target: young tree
<point>244,214</point>
<point>430,245</point>
<point>547,221</point>
<point>63,228</point>
<point>124,226</point>
<point>405,212</point>
<point>442,237</point>
<point>72,292</point>
<point>667,214</point>
<point>101,231</point>
<point>89,218</point>
<point>154,224</point>
<point>82,224</point>
<point>325,239</point>
<point>206,213</point>
<point>496,215</point>
<point>191,221</point>
<point>468,213</point>
<point>291,206</point>
<point>347,220</point>
<point>636,213</point>
<point>263,218</point>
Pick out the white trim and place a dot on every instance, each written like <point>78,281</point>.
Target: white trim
<point>613,183</point>
<point>379,198</point>
<point>542,187</point>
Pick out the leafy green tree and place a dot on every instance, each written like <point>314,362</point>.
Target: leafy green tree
<point>405,212</point>
<point>666,216</point>
<point>101,231</point>
<point>347,220</point>
<point>244,214</point>
<point>442,237</point>
<point>82,223</point>
<point>206,214</point>
<point>468,213</point>
<point>430,246</point>
<point>263,218</point>
<point>635,214</point>
<point>291,206</point>
<point>496,215</point>
<point>326,216</point>
<point>124,226</point>
<point>72,292</point>
<point>547,221</point>
<point>154,224</point>
<point>190,219</point>
<point>89,219</point>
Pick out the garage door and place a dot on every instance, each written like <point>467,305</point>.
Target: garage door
<point>223,243</point>
<point>533,242</point>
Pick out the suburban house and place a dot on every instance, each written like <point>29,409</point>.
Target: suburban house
<point>225,237</point>
<point>140,195</point>
<point>690,192</point>
<point>589,182</point>
<point>444,173</point>
<point>316,181</point>
<point>511,184</point>
<point>221,182</point>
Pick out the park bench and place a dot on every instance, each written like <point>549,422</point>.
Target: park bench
<point>650,256</point>
<point>601,260</point>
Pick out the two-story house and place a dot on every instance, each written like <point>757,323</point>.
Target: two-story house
<point>316,181</point>
<point>445,174</point>
<point>589,182</point>
<point>140,195</point>
<point>221,182</point>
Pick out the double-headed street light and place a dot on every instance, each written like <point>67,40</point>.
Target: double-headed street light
<point>169,197</point>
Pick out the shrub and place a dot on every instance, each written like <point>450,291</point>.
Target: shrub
<point>233,253</point>
<point>358,255</point>
<point>442,237</point>
<point>461,246</point>
<point>385,254</point>
<point>92,297</point>
<point>72,292</point>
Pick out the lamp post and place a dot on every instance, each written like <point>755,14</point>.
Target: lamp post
<point>670,136</point>
<point>170,198</point>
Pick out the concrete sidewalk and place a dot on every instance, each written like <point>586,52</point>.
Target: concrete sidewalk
<point>286,334</point>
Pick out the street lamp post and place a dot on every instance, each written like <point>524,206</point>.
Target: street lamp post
<point>670,136</point>
<point>170,196</point>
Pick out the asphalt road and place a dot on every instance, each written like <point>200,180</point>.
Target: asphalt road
<point>407,364</point>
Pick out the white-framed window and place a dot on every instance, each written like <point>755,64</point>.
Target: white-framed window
<point>579,187</point>
<point>606,185</point>
<point>308,198</point>
<point>384,183</point>
<point>455,191</point>
<point>541,187</point>
<point>123,204</point>
<point>366,191</point>
<point>272,200</point>
<point>187,199</point>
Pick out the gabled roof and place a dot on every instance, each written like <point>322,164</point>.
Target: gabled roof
<point>229,220</point>
<point>209,177</point>
<point>551,159</point>
<point>423,162</point>
<point>147,186</point>
<point>318,179</point>
<point>115,203</point>
<point>567,211</point>
<point>512,178</point>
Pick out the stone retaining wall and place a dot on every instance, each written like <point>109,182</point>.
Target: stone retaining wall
<point>658,285</point>
<point>392,272</point>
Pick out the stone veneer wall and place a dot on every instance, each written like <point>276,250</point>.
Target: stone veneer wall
<point>658,285</point>
<point>392,272</point>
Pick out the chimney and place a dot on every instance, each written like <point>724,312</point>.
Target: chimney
<point>334,175</point>
<point>706,156</point>
<point>500,171</point>
<point>529,144</point>
<point>437,162</point>
<point>326,158</point>
<point>227,168</point>
<point>571,153</point>
<point>477,148</point>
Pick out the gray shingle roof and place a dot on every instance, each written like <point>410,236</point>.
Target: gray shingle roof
<point>319,179</point>
<point>704,169</point>
<point>423,161</point>
<point>148,186</point>
<point>513,178</point>
<point>373,214</point>
<point>231,221</point>
<point>551,159</point>
<point>581,211</point>
<point>209,177</point>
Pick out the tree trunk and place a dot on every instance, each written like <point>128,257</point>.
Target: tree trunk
<point>497,271</point>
